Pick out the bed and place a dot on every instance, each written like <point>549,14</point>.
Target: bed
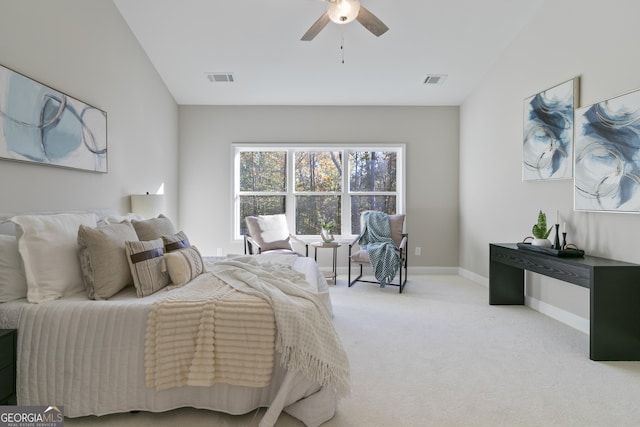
<point>88,355</point>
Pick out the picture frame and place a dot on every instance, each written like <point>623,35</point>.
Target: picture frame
<point>41,125</point>
<point>547,142</point>
<point>607,155</point>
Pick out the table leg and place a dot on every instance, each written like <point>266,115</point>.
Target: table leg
<point>506,284</point>
<point>615,304</point>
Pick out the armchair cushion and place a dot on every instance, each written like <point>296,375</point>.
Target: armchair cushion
<point>269,231</point>
<point>361,257</point>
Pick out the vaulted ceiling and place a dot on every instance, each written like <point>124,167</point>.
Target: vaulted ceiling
<point>258,43</point>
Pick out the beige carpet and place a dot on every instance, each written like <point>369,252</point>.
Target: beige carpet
<point>440,355</point>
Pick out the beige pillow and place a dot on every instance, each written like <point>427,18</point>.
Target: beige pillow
<point>154,228</point>
<point>105,269</point>
<point>270,231</point>
<point>145,262</point>
<point>396,222</point>
<point>173,242</point>
<point>184,265</point>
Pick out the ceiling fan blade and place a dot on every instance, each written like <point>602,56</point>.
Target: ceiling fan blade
<point>316,28</point>
<point>371,22</point>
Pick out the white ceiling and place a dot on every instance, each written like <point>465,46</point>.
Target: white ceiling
<point>259,42</point>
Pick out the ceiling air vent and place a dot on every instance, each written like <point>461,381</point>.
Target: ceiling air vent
<point>221,77</point>
<point>435,79</point>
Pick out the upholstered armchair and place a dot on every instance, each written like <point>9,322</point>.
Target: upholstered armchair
<point>270,234</point>
<point>359,256</point>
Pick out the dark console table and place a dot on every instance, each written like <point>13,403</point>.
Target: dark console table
<point>614,286</point>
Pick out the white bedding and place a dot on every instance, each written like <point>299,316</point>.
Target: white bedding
<point>89,356</point>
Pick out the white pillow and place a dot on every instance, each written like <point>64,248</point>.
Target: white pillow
<point>48,246</point>
<point>13,284</point>
<point>117,219</point>
<point>270,231</point>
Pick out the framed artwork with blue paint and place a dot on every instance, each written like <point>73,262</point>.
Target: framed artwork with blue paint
<point>607,156</point>
<point>40,125</point>
<point>547,147</point>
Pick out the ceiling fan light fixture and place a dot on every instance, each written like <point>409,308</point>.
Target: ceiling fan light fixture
<point>343,11</point>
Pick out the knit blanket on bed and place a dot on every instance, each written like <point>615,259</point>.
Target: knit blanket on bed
<point>208,332</point>
<point>376,239</point>
<point>306,338</point>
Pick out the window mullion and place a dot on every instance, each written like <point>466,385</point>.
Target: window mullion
<point>291,185</point>
<point>346,197</point>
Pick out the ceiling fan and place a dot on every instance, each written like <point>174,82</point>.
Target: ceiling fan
<point>343,12</point>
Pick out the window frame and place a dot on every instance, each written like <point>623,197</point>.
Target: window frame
<point>290,194</point>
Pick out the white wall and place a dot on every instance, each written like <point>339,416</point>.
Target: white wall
<point>430,135</point>
<point>594,40</point>
<point>84,49</point>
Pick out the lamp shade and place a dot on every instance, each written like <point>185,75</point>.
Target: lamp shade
<point>147,205</point>
<point>343,11</point>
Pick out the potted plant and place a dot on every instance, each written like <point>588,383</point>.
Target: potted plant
<point>540,232</point>
<point>327,230</point>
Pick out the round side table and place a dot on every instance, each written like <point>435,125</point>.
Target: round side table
<point>332,275</point>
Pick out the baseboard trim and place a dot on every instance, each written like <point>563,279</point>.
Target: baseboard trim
<point>481,280</point>
<point>563,316</point>
<point>418,271</point>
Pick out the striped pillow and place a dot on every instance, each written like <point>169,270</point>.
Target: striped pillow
<point>145,262</point>
<point>173,242</point>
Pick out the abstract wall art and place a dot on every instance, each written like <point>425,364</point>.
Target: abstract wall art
<point>607,156</point>
<point>548,133</point>
<point>38,124</point>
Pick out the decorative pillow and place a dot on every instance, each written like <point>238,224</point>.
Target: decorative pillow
<point>48,245</point>
<point>173,242</point>
<point>184,265</point>
<point>396,222</point>
<point>145,262</point>
<point>270,231</point>
<point>13,284</point>
<point>105,269</point>
<point>154,228</point>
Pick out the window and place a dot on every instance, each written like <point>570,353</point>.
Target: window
<point>317,184</point>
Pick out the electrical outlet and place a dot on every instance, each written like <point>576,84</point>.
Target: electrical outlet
<point>418,251</point>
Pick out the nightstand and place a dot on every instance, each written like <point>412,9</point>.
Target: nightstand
<point>8,342</point>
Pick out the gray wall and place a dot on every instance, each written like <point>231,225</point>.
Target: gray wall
<point>594,40</point>
<point>430,135</point>
<point>84,49</point>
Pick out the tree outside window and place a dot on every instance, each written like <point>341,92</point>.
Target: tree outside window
<point>318,186</point>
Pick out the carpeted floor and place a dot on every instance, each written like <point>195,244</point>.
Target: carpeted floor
<point>440,355</point>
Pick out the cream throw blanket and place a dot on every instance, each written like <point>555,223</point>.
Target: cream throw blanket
<point>207,332</point>
<point>220,328</point>
<point>305,336</point>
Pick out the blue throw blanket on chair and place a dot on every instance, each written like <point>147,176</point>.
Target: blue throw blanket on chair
<point>376,239</point>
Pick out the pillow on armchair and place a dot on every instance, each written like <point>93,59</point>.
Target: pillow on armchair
<point>271,232</point>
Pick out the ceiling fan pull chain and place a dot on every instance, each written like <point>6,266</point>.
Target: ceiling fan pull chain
<point>342,46</point>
